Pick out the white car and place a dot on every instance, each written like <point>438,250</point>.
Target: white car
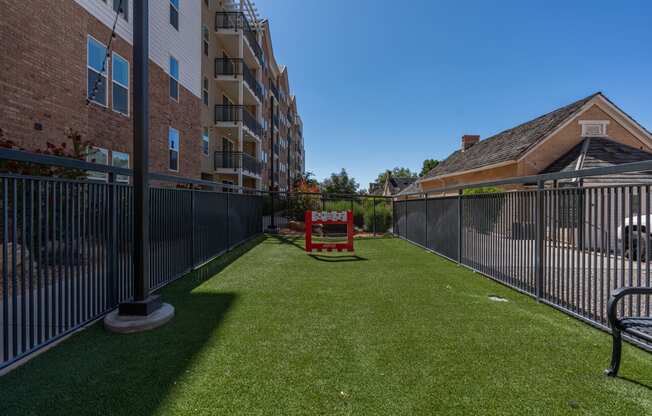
<point>632,225</point>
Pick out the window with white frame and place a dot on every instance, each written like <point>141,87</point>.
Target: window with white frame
<point>174,13</point>
<point>205,92</point>
<point>205,141</point>
<point>120,84</point>
<point>173,144</point>
<point>206,35</point>
<point>594,128</point>
<point>122,7</point>
<point>120,160</point>
<point>174,78</point>
<point>96,71</point>
<point>101,157</point>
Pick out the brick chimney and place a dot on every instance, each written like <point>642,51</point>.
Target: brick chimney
<point>469,140</point>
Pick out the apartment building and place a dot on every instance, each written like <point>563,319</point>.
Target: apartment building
<point>56,76</point>
<point>249,119</point>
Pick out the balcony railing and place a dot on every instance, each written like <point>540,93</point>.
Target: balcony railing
<point>238,161</point>
<point>228,113</point>
<point>252,124</point>
<point>235,67</point>
<point>250,79</point>
<point>274,88</point>
<point>238,21</point>
<point>253,42</point>
<point>228,66</point>
<point>232,20</point>
<point>237,114</point>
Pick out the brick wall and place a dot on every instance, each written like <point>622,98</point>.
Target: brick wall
<point>43,64</point>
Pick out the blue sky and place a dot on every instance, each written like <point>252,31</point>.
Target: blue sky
<point>381,85</point>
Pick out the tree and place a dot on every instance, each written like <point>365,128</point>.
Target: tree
<point>340,183</point>
<point>306,182</point>
<point>428,165</point>
<point>397,173</point>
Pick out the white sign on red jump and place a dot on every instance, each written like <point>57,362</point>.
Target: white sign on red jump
<point>329,216</point>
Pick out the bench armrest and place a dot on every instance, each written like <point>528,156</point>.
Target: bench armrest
<point>619,294</point>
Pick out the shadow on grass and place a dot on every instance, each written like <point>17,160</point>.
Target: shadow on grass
<point>97,372</point>
<point>337,259</point>
<point>281,239</point>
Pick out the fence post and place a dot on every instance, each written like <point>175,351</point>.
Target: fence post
<point>425,204</point>
<point>539,251</point>
<point>112,258</point>
<point>228,220</point>
<point>373,201</point>
<point>459,226</point>
<point>193,221</point>
<point>406,218</point>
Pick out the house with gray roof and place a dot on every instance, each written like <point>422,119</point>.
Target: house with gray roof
<point>589,132</point>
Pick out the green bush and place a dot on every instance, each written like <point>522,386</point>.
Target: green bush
<point>344,205</point>
<point>298,205</point>
<point>383,218</point>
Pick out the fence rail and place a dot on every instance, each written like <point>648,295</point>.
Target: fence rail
<point>569,247</point>
<point>67,244</point>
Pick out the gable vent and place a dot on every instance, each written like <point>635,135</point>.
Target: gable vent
<point>594,128</point>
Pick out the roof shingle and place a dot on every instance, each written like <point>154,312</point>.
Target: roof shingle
<point>509,144</point>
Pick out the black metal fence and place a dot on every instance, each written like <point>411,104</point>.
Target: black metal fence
<point>568,246</point>
<point>66,255</point>
<point>372,215</point>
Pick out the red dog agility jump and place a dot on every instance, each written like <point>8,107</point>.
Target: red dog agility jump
<point>327,218</point>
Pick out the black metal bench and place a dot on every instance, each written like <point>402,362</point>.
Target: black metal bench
<point>640,327</point>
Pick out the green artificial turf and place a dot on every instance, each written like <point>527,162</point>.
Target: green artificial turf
<point>391,331</point>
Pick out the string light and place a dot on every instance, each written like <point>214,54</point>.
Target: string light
<point>108,54</point>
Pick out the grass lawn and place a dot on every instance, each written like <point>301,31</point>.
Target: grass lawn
<point>393,331</point>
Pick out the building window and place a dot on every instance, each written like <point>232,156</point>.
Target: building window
<point>120,160</point>
<point>205,41</point>
<point>101,157</point>
<point>96,72</point>
<point>205,91</point>
<point>205,141</point>
<point>228,187</point>
<point>174,78</point>
<point>173,144</point>
<point>594,128</point>
<point>174,13</point>
<point>120,85</point>
<point>122,7</point>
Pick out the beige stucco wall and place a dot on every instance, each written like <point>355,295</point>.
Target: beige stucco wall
<point>502,172</point>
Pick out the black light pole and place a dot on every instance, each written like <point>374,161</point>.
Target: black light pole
<point>143,304</point>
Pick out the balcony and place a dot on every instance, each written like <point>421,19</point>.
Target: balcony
<point>251,81</point>
<point>238,114</point>
<point>229,67</point>
<point>238,161</point>
<point>237,21</point>
<point>274,89</point>
<point>252,124</point>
